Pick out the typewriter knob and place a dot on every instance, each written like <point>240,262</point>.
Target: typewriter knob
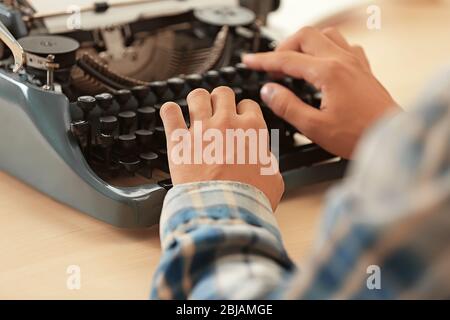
<point>194,80</point>
<point>104,101</point>
<point>228,73</point>
<point>176,85</point>
<point>86,104</point>
<point>212,78</point>
<point>122,97</point>
<point>140,93</point>
<point>243,71</point>
<point>159,88</point>
<point>108,125</point>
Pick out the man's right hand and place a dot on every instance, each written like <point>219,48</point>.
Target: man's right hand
<point>353,99</point>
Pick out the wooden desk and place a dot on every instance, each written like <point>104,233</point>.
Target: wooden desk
<point>40,238</point>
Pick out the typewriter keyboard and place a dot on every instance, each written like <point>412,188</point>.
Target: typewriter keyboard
<point>121,134</point>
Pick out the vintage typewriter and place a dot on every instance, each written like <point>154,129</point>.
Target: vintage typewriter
<point>79,104</point>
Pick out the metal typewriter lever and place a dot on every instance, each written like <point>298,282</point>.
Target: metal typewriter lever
<point>14,46</point>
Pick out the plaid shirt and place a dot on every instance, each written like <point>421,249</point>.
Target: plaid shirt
<point>390,216</point>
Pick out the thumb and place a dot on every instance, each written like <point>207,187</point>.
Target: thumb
<point>286,105</point>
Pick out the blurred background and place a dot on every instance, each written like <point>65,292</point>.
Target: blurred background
<point>411,47</point>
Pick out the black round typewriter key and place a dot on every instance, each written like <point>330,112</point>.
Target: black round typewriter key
<point>298,84</point>
<point>159,88</point>
<point>228,73</point>
<point>127,120</point>
<point>212,77</point>
<point>149,162</point>
<point>127,144</point>
<point>122,97</point>
<point>146,117</point>
<point>184,107</point>
<point>195,80</point>
<point>106,140</point>
<point>80,128</point>
<point>239,93</point>
<point>82,131</point>
<point>132,166</point>
<point>243,71</point>
<point>144,139</point>
<point>108,125</point>
<point>86,104</point>
<point>163,160</point>
<point>149,159</point>
<point>176,85</point>
<point>140,93</point>
<point>160,136</point>
<point>104,101</point>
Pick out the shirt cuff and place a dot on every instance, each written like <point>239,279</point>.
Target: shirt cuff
<point>211,203</point>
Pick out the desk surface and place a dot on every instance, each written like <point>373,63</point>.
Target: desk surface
<point>40,238</point>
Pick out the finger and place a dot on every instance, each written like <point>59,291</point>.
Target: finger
<point>223,101</point>
<point>361,54</point>
<point>249,108</point>
<point>172,118</point>
<point>199,102</point>
<point>289,107</point>
<point>311,41</point>
<point>334,35</point>
<point>294,64</point>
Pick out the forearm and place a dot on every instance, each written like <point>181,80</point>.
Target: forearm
<point>219,241</point>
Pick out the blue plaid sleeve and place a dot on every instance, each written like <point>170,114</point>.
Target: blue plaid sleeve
<point>385,233</point>
<point>216,236</point>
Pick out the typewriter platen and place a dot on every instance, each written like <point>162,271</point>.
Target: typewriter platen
<point>79,107</point>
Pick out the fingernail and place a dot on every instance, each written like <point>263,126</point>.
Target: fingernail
<point>267,93</point>
<point>247,57</point>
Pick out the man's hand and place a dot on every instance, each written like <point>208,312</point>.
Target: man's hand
<point>216,113</point>
<point>353,99</point>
